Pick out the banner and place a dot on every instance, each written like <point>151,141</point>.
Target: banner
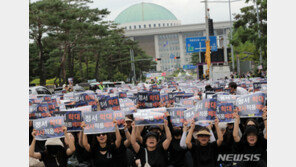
<point>38,111</point>
<point>72,120</point>
<point>127,105</point>
<point>98,122</point>
<point>189,115</point>
<point>50,127</point>
<point>177,116</point>
<point>148,118</point>
<point>225,112</point>
<point>160,110</point>
<point>251,105</point>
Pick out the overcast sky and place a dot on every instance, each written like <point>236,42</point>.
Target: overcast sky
<point>188,11</point>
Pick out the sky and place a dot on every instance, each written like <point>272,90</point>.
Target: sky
<point>188,11</point>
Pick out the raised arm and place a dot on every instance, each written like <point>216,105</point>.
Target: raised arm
<point>236,127</point>
<point>117,134</point>
<point>168,139</point>
<point>212,137</point>
<point>183,138</point>
<point>139,130</point>
<point>84,138</point>
<point>127,141</point>
<point>134,143</point>
<point>189,136</point>
<point>80,135</point>
<point>32,152</point>
<point>219,133</point>
<point>264,117</point>
<point>70,142</point>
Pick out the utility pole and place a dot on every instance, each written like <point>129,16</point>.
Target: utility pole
<point>231,47</point>
<point>133,65</point>
<point>259,34</point>
<point>208,48</point>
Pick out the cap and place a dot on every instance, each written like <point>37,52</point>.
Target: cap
<point>202,132</point>
<point>154,127</point>
<point>149,134</point>
<point>54,142</point>
<point>251,129</point>
<point>128,119</point>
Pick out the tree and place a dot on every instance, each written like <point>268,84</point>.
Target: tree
<point>245,34</point>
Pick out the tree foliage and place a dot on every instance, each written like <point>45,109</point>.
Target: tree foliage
<point>69,39</point>
<point>245,33</point>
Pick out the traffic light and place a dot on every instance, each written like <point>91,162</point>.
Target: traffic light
<point>176,57</point>
<point>157,59</point>
<point>211,28</point>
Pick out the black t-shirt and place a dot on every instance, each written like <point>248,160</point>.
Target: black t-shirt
<point>204,156</point>
<point>120,156</point>
<point>103,160</point>
<point>156,158</point>
<point>176,153</point>
<point>242,147</point>
<point>60,160</point>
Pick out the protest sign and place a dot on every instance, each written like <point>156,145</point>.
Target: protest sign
<point>188,103</point>
<point>103,102</point>
<point>159,109</point>
<point>122,95</point>
<point>226,98</point>
<point>50,127</point>
<point>172,96</point>
<point>113,103</point>
<point>189,115</point>
<point>82,109</point>
<point>177,116</point>
<point>46,98</point>
<point>225,112</point>
<point>148,118</point>
<point>148,99</point>
<point>72,119</point>
<point>218,89</point>
<point>119,116</point>
<point>164,99</point>
<point>178,97</point>
<point>38,111</point>
<point>251,105</point>
<point>98,122</point>
<point>206,110</point>
<point>127,105</point>
<point>256,86</point>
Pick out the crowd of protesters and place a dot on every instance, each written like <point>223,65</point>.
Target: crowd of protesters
<point>159,145</point>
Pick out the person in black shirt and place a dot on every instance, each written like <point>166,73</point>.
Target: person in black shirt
<point>204,154</point>
<point>176,152</point>
<point>250,143</point>
<point>154,152</point>
<point>55,154</point>
<point>101,148</point>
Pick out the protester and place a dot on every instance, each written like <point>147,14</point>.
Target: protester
<point>203,152</point>
<point>56,153</point>
<point>101,148</point>
<point>152,153</point>
<point>251,142</point>
<point>234,89</point>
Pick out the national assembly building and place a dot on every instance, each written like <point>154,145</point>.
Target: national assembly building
<point>161,35</point>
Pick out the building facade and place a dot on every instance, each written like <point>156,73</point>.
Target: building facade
<point>161,35</point>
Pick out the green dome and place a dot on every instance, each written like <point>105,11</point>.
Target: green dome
<point>144,12</point>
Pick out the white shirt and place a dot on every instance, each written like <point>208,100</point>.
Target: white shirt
<point>241,91</point>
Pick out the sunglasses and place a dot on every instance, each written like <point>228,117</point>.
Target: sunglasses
<point>102,134</point>
<point>203,136</point>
